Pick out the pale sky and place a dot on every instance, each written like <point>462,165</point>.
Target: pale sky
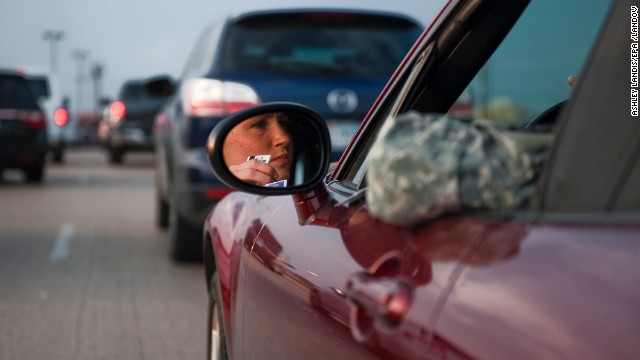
<point>135,38</point>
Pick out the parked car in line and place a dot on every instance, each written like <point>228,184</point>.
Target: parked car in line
<point>335,61</point>
<point>61,125</point>
<point>23,128</point>
<point>127,121</point>
<point>553,276</point>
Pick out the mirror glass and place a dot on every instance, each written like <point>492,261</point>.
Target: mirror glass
<point>274,149</point>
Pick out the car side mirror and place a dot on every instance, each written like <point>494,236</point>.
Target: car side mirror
<point>271,149</point>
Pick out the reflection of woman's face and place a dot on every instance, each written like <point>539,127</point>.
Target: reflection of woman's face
<point>260,135</point>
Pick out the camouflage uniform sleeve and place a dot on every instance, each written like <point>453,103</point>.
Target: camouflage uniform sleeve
<point>425,165</point>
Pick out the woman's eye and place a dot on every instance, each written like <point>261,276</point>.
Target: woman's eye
<point>284,122</point>
<point>260,124</point>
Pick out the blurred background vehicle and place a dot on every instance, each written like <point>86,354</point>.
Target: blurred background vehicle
<point>334,61</point>
<point>23,127</point>
<point>61,127</point>
<point>127,122</point>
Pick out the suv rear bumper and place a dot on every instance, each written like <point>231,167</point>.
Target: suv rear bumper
<point>21,156</point>
<point>132,139</point>
<point>194,204</point>
<point>194,190</point>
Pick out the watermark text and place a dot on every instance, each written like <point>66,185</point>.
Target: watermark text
<point>634,60</point>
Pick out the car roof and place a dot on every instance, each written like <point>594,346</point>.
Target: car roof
<point>36,72</point>
<point>10,72</point>
<point>329,13</point>
<point>132,82</point>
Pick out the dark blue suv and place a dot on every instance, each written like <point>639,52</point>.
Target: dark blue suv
<point>334,61</point>
<point>23,128</point>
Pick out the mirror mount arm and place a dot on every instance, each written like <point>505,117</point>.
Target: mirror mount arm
<point>309,204</point>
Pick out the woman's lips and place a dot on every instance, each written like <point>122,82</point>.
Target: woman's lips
<point>281,159</point>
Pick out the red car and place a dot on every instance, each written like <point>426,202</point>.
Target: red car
<point>317,270</point>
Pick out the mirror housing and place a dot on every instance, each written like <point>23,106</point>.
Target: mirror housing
<point>311,149</point>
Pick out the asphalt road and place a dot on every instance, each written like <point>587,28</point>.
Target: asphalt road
<point>85,274</point>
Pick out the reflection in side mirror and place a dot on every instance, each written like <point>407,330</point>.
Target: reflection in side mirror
<point>277,146</point>
<point>259,150</point>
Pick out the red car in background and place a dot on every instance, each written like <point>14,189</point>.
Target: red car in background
<point>315,274</point>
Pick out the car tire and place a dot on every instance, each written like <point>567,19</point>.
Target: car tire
<point>58,156</point>
<point>162,211</point>
<point>115,155</point>
<point>216,341</point>
<point>35,173</point>
<point>186,241</point>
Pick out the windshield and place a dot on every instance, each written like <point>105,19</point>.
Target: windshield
<point>14,94</point>
<point>132,91</point>
<point>318,49</point>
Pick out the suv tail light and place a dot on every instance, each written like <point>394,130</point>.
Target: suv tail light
<point>61,117</point>
<point>117,111</point>
<point>208,97</point>
<point>34,120</point>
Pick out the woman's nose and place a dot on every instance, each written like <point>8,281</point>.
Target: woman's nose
<point>280,135</point>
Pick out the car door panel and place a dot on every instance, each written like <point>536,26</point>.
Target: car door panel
<point>286,264</point>
<point>304,273</point>
<point>532,305</point>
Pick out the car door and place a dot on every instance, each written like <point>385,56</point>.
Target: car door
<point>302,283</point>
<point>570,291</point>
<point>346,284</point>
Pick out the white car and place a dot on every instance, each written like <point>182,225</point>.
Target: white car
<point>60,127</point>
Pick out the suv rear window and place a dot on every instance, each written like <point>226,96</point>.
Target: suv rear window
<point>132,91</point>
<point>15,94</point>
<point>324,44</point>
<point>136,91</point>
<point>39,87</point>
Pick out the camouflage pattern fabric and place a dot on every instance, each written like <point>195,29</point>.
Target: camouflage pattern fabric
<point>425,165</point>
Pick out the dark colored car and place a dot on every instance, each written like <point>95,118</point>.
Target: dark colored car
<point>61,126</point>
<point>128,121</point>
<point>553,276</point>
<point>23,128</point>
<point>335,61</point>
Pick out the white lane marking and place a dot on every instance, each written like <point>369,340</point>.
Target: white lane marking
<point>61,246</point>
<point>84,179</point>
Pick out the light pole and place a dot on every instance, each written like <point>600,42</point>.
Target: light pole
<point>79,55</point>
<point>96,74</point>
<point>53,37</point>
